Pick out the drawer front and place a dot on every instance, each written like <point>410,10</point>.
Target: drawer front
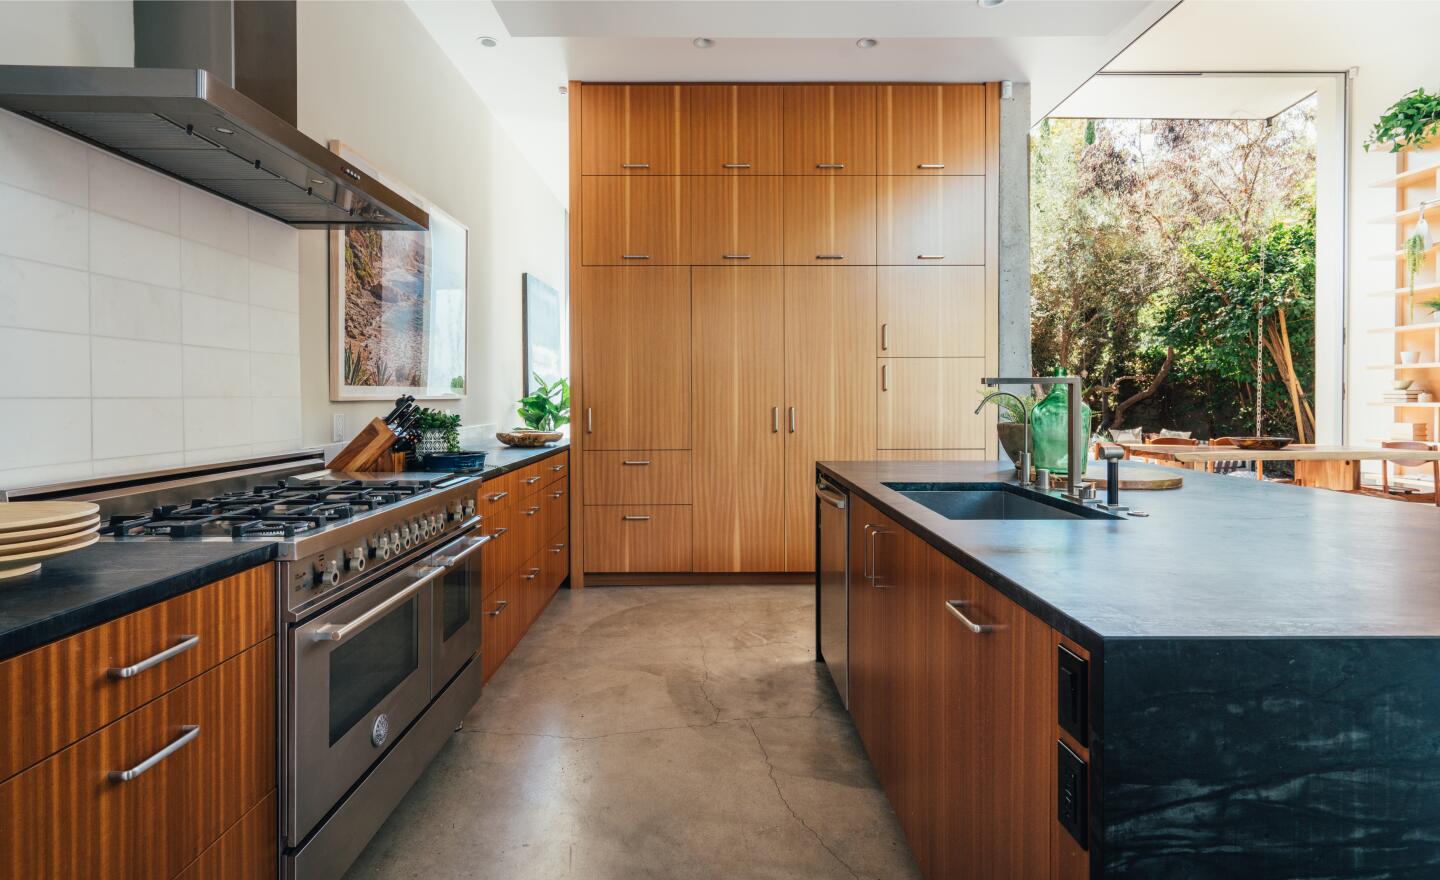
<point>498,559</point>
<point>78,694</point>
<point>637,538</point>
<point>557,467</point>
<point>497,493</point>
<point>529,526</point>
<point>655,477</point>
<point>557,561</point>
<point>492,631</point>
<point>67,817</point>
<point>530,582</point>
<point>554,510</point>
<point>245,852</point>
<point>529,478</point>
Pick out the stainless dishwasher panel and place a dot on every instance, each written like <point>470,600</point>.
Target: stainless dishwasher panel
<point>832,602</point>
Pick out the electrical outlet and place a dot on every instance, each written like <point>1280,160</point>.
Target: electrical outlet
<point>337,427</point>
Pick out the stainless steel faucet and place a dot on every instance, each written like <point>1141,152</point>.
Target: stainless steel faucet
<point>1078,434</point>
<point>1022,466</point>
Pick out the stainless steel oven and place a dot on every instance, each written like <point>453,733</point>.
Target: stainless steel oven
<point>364,669</point>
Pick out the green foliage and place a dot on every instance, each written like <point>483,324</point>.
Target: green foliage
<point>447,423</point>
<point>1410,122</point>
<point>1414,257</point>
<point>457,384</point>
<point>548,407</point>
<point>1011,411</point>
<point>1432,304</point>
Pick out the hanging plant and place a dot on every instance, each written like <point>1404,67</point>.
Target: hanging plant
<point>1410,122</point>
<point>1414,259</point>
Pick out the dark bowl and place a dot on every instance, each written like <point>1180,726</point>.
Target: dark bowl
<point>454,461</point>
<point>1263,442</point>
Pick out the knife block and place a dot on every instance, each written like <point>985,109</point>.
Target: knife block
<point>366,449</point>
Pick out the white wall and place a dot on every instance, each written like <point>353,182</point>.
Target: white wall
<point>372,77</point>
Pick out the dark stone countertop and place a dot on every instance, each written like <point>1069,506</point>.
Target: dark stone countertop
<point>1222,557</point>
<point>110,579</point>
<point>509,458</point>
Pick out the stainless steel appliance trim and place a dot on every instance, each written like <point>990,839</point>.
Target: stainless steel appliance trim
<point>134,669</point>
<point>451,561</point>
<point>832,586</point>
<point>954,606</point>
<point>188,733</point>
<point>825,493</point>
<point>145,481</point>
<point>338,633</point>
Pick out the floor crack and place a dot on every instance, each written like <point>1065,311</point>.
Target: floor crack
<point>770,768</point>
<point>704,681</point>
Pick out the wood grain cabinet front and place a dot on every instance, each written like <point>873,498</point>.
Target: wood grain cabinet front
<point>927,403</point>
<point>730,129</point>
<point>638,538</point>
<point>554,510</point>
<point>246,851</point>
<point>644,476</point>
<point>733,221</point>
<point>829,221</point>
<point>630,129</point>
<point>557,560</point>
<point>556,467</point>
<point>930,311</point>
<point>932,128</point>
<point>930,221</point>
<point>829,129</point>
<point>498,558</point>
<point>145,796</point>
<point>632,221</point>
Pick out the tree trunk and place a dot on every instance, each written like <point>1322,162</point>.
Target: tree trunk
<point>1145,393</point>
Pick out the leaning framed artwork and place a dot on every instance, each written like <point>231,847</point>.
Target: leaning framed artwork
<point>397,305</point>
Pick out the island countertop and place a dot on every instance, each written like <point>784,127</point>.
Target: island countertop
<point>1222,557</point>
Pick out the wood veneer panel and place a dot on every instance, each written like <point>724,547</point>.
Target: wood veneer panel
<point>66,818</point>
<point>630,125</point>
<point>739,456</point>
<point>67,692</point>
<point>655,537</point>
<point>576,91</point>
<point>930,311</point>
<point>554,510</point>
<point>732,221</point>
<point>930,221</point>
<point>632,221</point>
<point>829,221</point>
<point>830,125</point>
<point>639,477</point>
<point>246,851</point>
<point>930,124</point>
<point>725,126</point>
<point>929,403</point>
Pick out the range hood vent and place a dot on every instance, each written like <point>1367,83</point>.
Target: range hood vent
<point>191,124</point>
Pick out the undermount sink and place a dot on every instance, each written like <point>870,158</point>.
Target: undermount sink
<point>993,501</point>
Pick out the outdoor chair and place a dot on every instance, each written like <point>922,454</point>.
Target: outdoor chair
<point>1227,467</point>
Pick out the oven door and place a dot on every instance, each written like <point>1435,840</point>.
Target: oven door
<point>360,673</point>
<point>457,607</point>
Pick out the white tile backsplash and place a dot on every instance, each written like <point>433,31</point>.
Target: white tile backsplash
<point>144,323</point>
<point>39,296</point>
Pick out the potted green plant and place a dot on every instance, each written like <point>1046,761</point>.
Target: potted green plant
<point>1011,427</point>
<point>439,431</point>
<point>543,411</point>
<point>1410,122</point>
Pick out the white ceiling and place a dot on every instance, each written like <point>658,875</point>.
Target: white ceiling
<point>1053,44</point>
<point>1187,96</point>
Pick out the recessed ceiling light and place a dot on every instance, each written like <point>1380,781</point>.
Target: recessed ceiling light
<point>702,42</point>
<point>867,42</point>
<point>487,42</point>
<point>564,90</point>
<point>989,4</point>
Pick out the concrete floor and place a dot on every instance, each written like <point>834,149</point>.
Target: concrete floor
<point>652,732</point>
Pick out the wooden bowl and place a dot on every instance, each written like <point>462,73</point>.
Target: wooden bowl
<point>1263,442</point>
<point>528,438</point>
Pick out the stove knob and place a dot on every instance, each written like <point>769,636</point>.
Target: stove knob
<point>422,527</point>
<point>405,535</point>
<point>380,547</point>
<point>437,523</point>
<point>356,561</point>
<point>457,511</point>
<point>395,545</point>
<point>469,507</point>
<point>328,574</point>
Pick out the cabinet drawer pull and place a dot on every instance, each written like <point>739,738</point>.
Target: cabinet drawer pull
<point>735,256</point>
<point>829,164</point>
<point>180,647</point>
<point>532,481</point>
<point>534,573</point>
<point>187,733</point>
<point>499,606</point>
<point>885,337</point>
<point>558,494</point>
<point>557,548</point>
<point>829,256</point>
<point>557,468</point>
<point>498,496</point>
<point>635,517</point>
<point>498,532</point>
<point>532,511</point>
<point>634,256</point>
<point>634,164</point>
<point>929,256</point>
<point>931,165</point>
<point>635,462</point>
<point>736,165</point>
<point>954,606</point>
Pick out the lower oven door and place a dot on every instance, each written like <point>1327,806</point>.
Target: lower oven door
<point>360,673</point>
<point>457,607</point>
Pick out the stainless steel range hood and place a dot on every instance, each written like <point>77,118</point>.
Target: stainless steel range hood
<point>184,119</point>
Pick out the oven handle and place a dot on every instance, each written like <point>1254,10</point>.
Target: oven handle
<point>448,561</point>
<point>340,632</point>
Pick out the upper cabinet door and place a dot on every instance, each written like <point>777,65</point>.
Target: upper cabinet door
<point>829,221</point>
<point>732,221</point>
<point>932,129</point>
<point>730,129</point>
<point>630,129</point>
<point>631,221</point>
<point>930,221</point>
<point>830,129</point>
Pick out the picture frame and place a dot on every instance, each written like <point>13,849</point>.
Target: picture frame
<point>398,305</point>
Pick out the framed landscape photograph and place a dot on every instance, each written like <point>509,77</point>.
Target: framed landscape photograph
<point>397,305</point>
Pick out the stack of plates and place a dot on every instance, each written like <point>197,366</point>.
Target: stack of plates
<point>32,531</point>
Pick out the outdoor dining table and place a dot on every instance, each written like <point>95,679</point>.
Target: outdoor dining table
<point>1321,467</point>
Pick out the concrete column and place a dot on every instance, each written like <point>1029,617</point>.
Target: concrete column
<point>1015,232</point>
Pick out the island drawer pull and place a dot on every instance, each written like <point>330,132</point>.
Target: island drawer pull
<point>532,511</point>
<point>557,468</point>
<point>635,462</point>
<point>498,496</point>
<point>499,606</point>
<point>954,606</point>
<point>634,164</point>
<point>931,165</point>
<point>557,549</point>
<point>180,647</point>
<point>533,480</point>
<point>498,532</point>
<point>534,573</point>
<point>736,165</point>
<point>187,733</point>
<point>829,164</point>
<point>635,517</point>
<point>558,493</point>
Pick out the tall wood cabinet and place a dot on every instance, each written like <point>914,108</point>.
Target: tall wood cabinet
<point>763,276</point>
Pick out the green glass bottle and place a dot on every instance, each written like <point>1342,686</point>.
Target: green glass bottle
<point>1049,426</point>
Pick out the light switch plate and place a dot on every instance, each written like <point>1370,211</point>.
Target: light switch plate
<point>337,429</point>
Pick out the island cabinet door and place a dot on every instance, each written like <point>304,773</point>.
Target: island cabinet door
<point>991,697</point>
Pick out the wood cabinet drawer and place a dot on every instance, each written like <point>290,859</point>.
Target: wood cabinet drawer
<point>631,221</point>
<point>557,560</point>
<point>69,817</point>
<point>498,559</point>
<point>556,467</point>
<point>653,477</point>
<point>500,627</point>
<point>530,583</point>
<point>529,526</point>
<point>530,478</point>
<point>74,691</point>
<point>637,538</point>
<point>931,221</point>
<point>496,493</point>
<point>554,510</point>
<point>246,851</point>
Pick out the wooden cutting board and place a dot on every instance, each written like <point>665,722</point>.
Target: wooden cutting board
<point>20,515</point>
<point>1131,479</point>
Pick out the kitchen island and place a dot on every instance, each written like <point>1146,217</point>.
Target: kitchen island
<point>1240,684</point>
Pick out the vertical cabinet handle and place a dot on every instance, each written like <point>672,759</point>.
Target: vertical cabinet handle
<point>885,337</point>
<point>792,420</point>
<point>589,421</point>
<point>884,377</point>
<point>871,562</point>
<point>774,420</point>
<point>187,733</point>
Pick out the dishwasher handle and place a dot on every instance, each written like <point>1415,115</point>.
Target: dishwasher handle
<point>826,493</point>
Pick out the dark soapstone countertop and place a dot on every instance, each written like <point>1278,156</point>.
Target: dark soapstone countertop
<point>509,458</point>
